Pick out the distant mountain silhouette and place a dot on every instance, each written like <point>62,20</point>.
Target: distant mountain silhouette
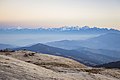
<point>4,46</point>
<point>110,65</point>
<point>61,30</point>
<point>82,56</point>
<point>65,44</point>
<point>110,53</point>
<point>110,41</point>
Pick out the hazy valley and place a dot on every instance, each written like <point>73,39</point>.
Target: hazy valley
<point>94,54</point>
<point>59,39</point>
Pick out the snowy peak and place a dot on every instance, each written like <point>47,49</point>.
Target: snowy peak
<point>61,30</point>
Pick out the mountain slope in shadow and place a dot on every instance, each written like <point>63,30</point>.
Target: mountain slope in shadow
<point>110,65</point>
<point>82,56</point>
<point>108,41</point>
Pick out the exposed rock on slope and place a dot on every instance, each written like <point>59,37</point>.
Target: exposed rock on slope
<point>26,65</point>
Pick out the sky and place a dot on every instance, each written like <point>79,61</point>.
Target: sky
<point>57,13</point>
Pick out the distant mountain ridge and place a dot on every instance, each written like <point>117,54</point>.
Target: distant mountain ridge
<point>82,56</point>
<point>4,46</point>
<point>62,30</point>
<point>110,65</point>
<point>108,41</point>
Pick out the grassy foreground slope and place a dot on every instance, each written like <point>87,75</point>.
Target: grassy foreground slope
<point>27,65</point>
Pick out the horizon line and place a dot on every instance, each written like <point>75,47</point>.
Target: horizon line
<point>44,27</point>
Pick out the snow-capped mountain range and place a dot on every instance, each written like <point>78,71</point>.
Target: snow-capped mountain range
<point>65,29</point>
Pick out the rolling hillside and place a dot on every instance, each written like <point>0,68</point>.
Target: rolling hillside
<point>27,65</point>
<point>82,56</point>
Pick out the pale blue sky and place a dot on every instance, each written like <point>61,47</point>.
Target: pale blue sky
<point>56,13</point>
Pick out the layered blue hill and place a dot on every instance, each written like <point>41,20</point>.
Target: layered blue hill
<point>110,41</point>
<point>82,56</point>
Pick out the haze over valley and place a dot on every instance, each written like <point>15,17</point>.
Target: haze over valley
<point>59,39</point>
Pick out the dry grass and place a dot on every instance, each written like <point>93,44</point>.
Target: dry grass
<point>26,65</point>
